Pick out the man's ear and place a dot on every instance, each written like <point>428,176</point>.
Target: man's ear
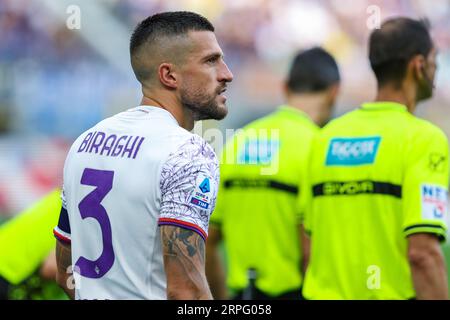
<point>333,91</point>
<point>167,75</point>
<point>286,91</point>
<point>417,65</point>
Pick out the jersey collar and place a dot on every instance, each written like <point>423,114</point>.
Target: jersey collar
<point>384,105</point>
<point>158,110</point>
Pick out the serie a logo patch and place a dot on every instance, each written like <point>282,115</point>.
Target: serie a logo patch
<point>434,202</point>
<point>352,151</point>
<point>203,192</point>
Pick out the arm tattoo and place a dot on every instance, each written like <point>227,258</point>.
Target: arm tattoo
<point>184,256</point>
<point>183,236</point>
<point>183,243</point>
<point>63,256</point>
<point>63,261</point>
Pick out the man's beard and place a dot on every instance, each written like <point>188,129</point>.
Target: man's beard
<point>202,105</point>
<point>425,89</point>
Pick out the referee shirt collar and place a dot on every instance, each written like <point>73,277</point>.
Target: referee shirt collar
<point>294,111</point>
<point>384,105</point>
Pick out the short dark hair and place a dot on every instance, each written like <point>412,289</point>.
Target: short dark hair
<point>165,24</point>
<point>312,70</point>
<point>393,45</point>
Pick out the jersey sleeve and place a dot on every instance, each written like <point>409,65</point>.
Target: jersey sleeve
<point>425,185</point>
<point>62,230</point>
<point>189,183</point>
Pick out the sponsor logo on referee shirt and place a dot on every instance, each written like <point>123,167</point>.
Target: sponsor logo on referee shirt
<point>434,202</point>
<point>352,151</point>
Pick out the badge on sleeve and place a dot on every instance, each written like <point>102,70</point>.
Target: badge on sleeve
<point>203,192</point>
<point>437,162</point>
<point>434,202</point>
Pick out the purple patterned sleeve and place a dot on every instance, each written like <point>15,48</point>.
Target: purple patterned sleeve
<point>189,182</point>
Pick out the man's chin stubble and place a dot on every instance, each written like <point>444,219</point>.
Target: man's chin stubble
<point>209,113</point>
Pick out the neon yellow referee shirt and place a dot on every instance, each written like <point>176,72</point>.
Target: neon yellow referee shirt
<point>26,240</point>
<point>378,174</point>
<point>261,170</point>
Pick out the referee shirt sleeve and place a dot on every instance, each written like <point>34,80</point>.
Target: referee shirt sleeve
<point>425,186</point>
<point>189,183</point>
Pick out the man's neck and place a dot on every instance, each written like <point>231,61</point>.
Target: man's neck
<point>183,116</point>
<point>402,96</point>
<point>311,104</point>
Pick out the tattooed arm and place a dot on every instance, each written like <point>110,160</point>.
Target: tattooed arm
<point>63,261</point>
<point>184,264</point>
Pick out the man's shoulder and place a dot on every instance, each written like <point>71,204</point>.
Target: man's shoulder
<point>191,155</point>
<point>425,137</point>
<point>192,147</point>
<point>426,129</point>
<point>342,120</point>
<point>277,125</point>
<point>283,117</point>
<point>165,135</point>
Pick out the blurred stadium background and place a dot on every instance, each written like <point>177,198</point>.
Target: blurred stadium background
<point>56,82</point>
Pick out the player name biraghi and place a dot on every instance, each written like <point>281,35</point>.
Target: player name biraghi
<point>111,145</point>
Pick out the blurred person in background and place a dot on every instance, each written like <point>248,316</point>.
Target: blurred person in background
<point>257,214</point>
<point>27,259</point>
<point>155,182</point>
<point>379,179</point>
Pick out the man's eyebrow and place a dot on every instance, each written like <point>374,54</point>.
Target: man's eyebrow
<point>213,55</point>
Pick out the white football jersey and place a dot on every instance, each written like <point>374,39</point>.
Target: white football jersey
<point>122,179</point>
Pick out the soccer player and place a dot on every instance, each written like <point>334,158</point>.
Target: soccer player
<point>256,213</point>
<point>139,188</point>
<point>379,178</point>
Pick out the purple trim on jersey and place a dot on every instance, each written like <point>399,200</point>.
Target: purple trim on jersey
<point>64,223</point>
<point>184,225</point>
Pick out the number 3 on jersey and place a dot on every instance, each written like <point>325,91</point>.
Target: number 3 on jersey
<point>90,207</point>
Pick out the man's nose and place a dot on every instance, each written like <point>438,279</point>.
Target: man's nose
<point>225,74</point>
